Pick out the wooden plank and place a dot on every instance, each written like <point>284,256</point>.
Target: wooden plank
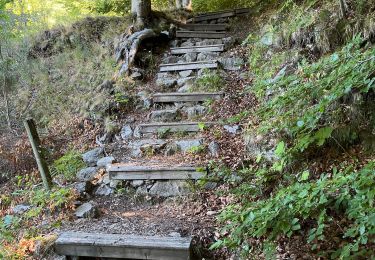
<point>199,34</point>
<point>124,247</point>
<point>118,172</point>
<point>33,136</point>
<point>171,127</point>
<point>204,27</point>
<point>240,11</point>
<point>213,16</point>
<point>189,66</point>
<point>185,97</point>
<point>198,49</point>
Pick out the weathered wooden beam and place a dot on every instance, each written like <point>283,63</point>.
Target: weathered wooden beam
<point>185,97</point>
<point>204,27</point>
<point>212,16</point>
<point>33,136</point>
<point>241,11</point>
<point>155,128</point>
<point>199,34</point>
<point>124,247</point>
<point>119,172</point>
<point>198,49</point>
<point>189,66</point>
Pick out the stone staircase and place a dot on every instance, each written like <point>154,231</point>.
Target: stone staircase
<point>197,48</point>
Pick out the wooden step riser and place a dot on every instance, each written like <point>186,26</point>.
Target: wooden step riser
<point>188,66</point>
<point>213,16</point>
<point>198,49</point>
<point>201,35</point>
<point>123,247</point>
<point>174,98</point>
<point>204,27</point>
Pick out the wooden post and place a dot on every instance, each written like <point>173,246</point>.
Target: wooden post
<point>38,153</point>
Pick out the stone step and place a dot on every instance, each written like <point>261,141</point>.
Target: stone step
<point>198,49</point>
<point>155,128</point>
<point>199,34</point>
<point>125,172</point>
<point>204,27</point>
<point>76,244</point>
<point>185,97</point>
<point>189,66</point>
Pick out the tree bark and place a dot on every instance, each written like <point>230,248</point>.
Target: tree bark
<point>142,9</point>
<point>343,8</point>
<point>128,48</point>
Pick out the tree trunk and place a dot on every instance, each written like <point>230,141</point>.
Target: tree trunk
<point>142,8</point>
<point>343,8</point>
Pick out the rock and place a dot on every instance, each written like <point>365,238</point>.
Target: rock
<point>209,42</point>
<point>187,43</point>
<point>166,83</point>
<point>83,188</point>
<point>170,59</point>
<point>87,174</point>
<point>142,191</point>
<point>205,56</point>
<point>126,132</point>
<point>184,89</point>
<point>169,188</point>
<point>146,100</point>
<point>287,70</point>
<point>87,210</point>
<point>91,157</point>
<point>167,115</point>
<point>190,57</point>
<point>103,190</point>
<point>183,81</point>
<point>114,183</point>
<point>214,149</point>
<point>103,162</point>
<point>210,185</point>
<point>136,146</point>
<point>106,179</point>
<point>185,73</point>
<point>259,145</point>
<point>229,43</point>
<point>20,209</point>
<point>136,75</point>
<point>232,129</point>
<point>171,149</point>
<point>267,39</point>
<point>232,63</point>
<point>136,183</point>
<point>174,43</point>
<point>137,132</point>
<point>195,111</point>
<point>187,145</point>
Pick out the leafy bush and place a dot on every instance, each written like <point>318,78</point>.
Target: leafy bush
<point>313,103</point>
<point>69,164</point>
<point>348,194</point>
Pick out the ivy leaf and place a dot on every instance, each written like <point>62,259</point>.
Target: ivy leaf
<point>323,134</point>
<point>280,149</point>
<point>305,176</point>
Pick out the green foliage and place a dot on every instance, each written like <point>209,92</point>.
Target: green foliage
<point>69,164</point>
<point>197,149</point>
<point>347,192</point>
<point>209,81</point>
<point>308,105</point>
